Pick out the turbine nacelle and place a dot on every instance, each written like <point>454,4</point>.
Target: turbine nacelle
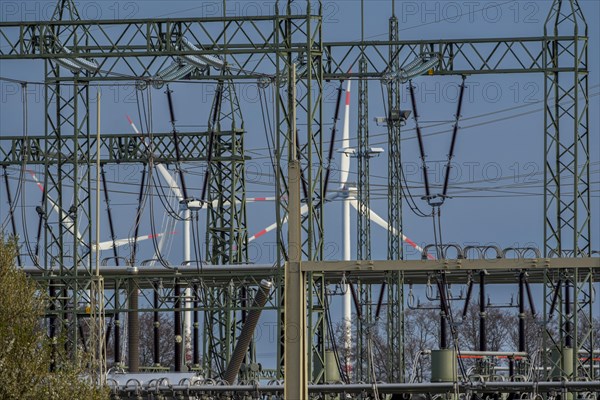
<point>352,152</point>
<point>348,151</point>
<point>349,191</point>
<point>191,204</point>
<point>396,116</point>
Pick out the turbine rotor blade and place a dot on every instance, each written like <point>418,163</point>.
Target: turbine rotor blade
<point>303,210</point>
<point>68,221</point>
<point>383,223</point>
<point>122,242</point>
<point>161,168</point>
<point>345,161</point>
<point>173,186</point>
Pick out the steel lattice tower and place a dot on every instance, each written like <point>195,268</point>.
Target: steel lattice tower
<point>567,226</point>
<point>140,47</point>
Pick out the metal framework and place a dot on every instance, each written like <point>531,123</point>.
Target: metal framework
<point>566,119</point>
<point>363,233</point>
<point>567,226</point>
<point>394,282</point>
<point>267,48</point>
<point>363,229</point>
<point>226,224</point>
<point>68,233</point>
<point>114,148</point>
<point>226,180</point>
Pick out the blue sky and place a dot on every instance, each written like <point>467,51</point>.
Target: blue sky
<point>503,148</point>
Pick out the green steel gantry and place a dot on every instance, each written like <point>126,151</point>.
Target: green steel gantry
<point>267,47</point>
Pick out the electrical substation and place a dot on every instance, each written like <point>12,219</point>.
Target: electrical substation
<point>125,312</point>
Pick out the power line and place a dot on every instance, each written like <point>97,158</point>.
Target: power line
<point>416,184</point>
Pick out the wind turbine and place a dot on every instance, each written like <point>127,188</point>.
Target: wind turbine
<point>193,204</point>
<point>346,193</point>
<point>184,213</point>
<point>70,225</point>
<point>185,208</point>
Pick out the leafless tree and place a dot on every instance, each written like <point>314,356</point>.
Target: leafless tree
<point>533,333</point>
<point>421,333</point>
<point>422,330</point>
<point>498,326</point>
<point>166,343</point>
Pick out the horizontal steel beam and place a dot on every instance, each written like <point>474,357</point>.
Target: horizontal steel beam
<point>458,56</point>
<point>206,272</point>
<point>251,41</point>
<point>114,148</point>
<point>424,266</point>
<point>368,272</point>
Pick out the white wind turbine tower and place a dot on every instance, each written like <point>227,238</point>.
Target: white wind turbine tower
<point>346,247</point>
<point>184,213</point>
<point>346,193</point>
<point>185,208</point>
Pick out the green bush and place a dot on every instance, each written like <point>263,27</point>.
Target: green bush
<point>25,350</point>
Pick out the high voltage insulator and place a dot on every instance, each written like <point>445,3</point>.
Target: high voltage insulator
<point>202,60</point>
<point>186,64</point>
<point>174,72</point>
<point>77,64</point>
<point>415,68</point>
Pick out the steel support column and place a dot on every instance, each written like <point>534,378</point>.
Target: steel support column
<point>567,228</point>
<point>394,281</point>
